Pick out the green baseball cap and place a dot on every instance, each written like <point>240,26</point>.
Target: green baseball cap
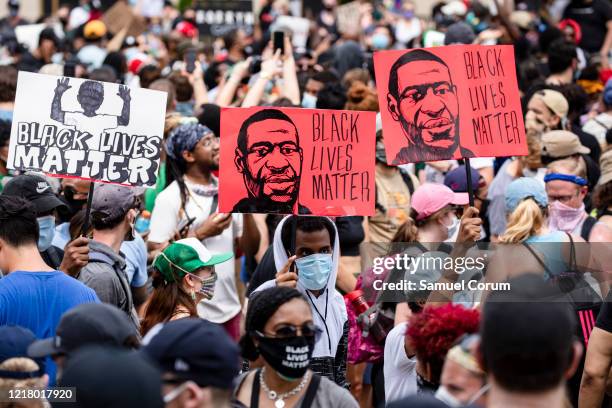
<point>187,255</point>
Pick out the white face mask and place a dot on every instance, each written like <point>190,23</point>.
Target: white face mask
<point>446,397</point>
<point>453,230</point>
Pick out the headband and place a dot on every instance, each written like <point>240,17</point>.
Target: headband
<point>565,177</point>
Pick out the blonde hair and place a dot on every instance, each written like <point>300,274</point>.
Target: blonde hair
<point>21,364</point>
<point>526,220</point>
<point>571,165</point>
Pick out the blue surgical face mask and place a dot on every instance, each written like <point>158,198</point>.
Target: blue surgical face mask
<point>46,231</point>
<point>314,270</point>
<point>309,101</point>
<point>380,41</point>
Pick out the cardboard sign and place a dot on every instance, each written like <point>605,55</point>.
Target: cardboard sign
<point>120,16</point>
<point>218,17</point>
<point>449,102</point>
<point>293,160</point>
<point>87,129</point>
<point>348,16</point>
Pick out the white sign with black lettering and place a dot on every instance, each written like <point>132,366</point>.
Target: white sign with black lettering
<point>87,129</point>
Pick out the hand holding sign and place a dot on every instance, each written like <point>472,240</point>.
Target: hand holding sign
<point>470,226</point>
<point>76,256</point>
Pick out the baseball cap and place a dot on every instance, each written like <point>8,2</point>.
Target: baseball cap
<point>112,201</point>
<point>523,188</point>
<point>177,348</point>
<point>454,8</point>
<point>88,323</point>
<point>14,342</point>
<point>555,101</point>
<point>605,164</point>
<point>430,197</point>
<point>562,143</point>
<point>111,377</point>
<point>35,189</point>
<point>187,29</point>
<point>456,179</point>
<point>94,30</point>
<point>188,255</point>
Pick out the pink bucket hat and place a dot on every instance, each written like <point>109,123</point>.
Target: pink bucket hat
<point>430,197</point>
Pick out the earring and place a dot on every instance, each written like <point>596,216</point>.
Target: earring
<point>193,296</point>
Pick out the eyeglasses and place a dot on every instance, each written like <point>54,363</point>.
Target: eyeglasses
<point>288,331</point>
<point>209,140</point>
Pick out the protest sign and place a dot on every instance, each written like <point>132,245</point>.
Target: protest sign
<point>218,17</point>
<point>348,16</point>
<point>87,129</point>
<point>290,161</point>
<point>121,16</point>
<point>449,102</point>
<point>28,34</point>
<point>297,26</point>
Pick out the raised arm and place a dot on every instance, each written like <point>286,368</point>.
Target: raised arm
<point>124,93</point>
<point>56,105</point>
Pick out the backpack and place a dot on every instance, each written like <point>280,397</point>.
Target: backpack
<point>587,227</point>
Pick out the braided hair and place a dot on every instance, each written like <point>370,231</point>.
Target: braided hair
<point>262,305</point>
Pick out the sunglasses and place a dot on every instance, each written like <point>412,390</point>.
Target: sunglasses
<point>288,331</point>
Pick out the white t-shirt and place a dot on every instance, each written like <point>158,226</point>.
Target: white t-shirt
<point>165,220</point>
<point>93,125</point>
<point>399,370</point>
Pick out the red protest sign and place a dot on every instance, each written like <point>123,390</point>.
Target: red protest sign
<point>293,160</point>
<point>449,102</point>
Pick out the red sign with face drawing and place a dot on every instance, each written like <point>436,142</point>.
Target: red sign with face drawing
<point>297,161</point>
<point>449,102</point>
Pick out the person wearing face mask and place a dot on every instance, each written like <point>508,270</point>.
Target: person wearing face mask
<point>382,38</point>
<point>312,268</point>
<point>38,191</point>
<point>566,187</point>
<point>184,274</point>
<point>113,213</point>
<point>463,382</point>
<point>280,329</point>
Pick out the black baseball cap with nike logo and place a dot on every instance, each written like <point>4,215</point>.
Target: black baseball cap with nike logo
<point>37,190</point>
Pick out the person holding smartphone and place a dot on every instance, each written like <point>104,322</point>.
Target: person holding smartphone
<point>188,208</point>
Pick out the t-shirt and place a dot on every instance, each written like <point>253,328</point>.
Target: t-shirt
<point>393,194</point>
<point>592,18</point>
<point>497,197</point>
<point>37,301</point>
<point>604,320</point>
<point>399,369</point>
<point>93,125</point>
<point>165,219</point>
<point>599,126</point>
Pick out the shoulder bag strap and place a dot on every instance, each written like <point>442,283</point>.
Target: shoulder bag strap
<point>311,391</point>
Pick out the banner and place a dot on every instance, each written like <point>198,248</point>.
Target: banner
<point>449,102</point>
<point>218,17</point>
<point>293,160</point>
<point>87,129</point>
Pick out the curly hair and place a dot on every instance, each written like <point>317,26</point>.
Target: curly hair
<point>602,197</point>
<point>434,331</point>
<point>361,97</point>
<point>262,305</point>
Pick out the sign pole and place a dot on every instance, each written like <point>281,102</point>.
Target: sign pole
<point>468,174</point>
<point>88,210</point>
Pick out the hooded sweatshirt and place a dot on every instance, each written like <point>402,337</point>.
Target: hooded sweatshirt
<point>328,311</point>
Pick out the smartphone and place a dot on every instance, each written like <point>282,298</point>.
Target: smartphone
<point>184,225</point>
<point>190,59</point>
<point>69,69</point>
<point>279,41</point>
<point>255,65</point>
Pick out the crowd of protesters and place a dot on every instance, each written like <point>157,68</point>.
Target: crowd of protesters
<point>158,299</point>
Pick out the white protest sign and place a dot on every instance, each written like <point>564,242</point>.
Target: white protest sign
<point>87,129</point>
<point>28,34</point>
<point>297,25</point>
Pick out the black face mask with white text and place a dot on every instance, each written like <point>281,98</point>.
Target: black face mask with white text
<point>289,357</point>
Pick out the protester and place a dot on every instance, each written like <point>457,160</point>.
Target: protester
<point>132,381</point>
<point>84,325</point>
<point>32,294</point>
<point>192,375</point>
<point>281,330</point>
<point>188,207</point>
<point>599,125</point>
<point>184,275</point>
<point>516,327</point>
<point>602,196</point>
<point>431,334</point>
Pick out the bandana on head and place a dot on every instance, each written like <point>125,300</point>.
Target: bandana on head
<point>184,138</point>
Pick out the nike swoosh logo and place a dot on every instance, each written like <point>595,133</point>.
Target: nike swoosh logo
<point>42,190</point>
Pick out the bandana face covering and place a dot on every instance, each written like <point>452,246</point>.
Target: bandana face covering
<point>565,218</point>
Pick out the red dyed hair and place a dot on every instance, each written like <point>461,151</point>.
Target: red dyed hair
<point>575,26</point>
<point>434,331</point>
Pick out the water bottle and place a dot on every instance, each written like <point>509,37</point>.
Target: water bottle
<point>142,222</point>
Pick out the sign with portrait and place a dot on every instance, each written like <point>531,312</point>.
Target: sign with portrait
<point>87,129</point>
<point>297,161</point>
<point>449,102</point>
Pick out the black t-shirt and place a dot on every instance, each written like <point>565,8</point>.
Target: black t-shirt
<point>265,271</point>
<point>592,18</point>
<point>604,320</point>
